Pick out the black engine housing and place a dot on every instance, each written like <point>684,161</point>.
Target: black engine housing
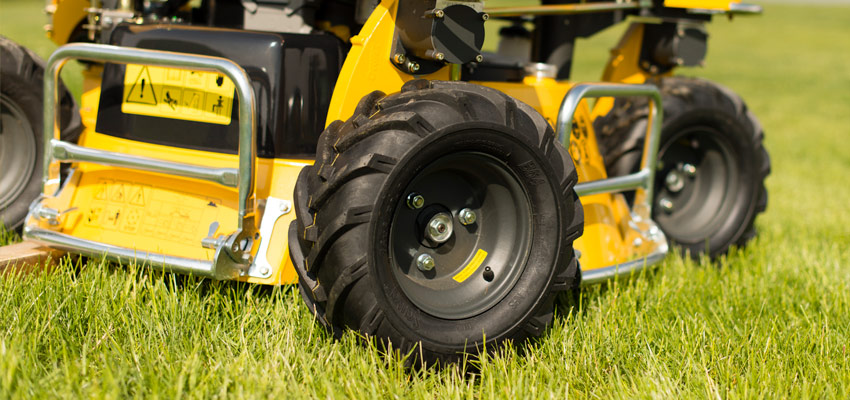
<point>293,77</point>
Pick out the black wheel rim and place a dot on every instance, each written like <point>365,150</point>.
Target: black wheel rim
<point>17,151</point>
<point>462,283</point>
<point>709,193</point>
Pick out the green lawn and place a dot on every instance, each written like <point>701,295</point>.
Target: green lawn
<point>772,321</point>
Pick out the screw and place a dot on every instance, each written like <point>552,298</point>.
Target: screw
<point>666,205</point>
<point>479,58</point>
<point>415,201</point>
<point>398,58</point>
<point>690,170</point>
<point>412,66</point>
<point>285,207</point>
<point>439,14</point>
<point>440,56</point>
<point>466,216</point>
<point>264,271</point>
<point>425,262</point>
<point>485,16</point>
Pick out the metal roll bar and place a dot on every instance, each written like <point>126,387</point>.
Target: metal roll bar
<point>230,259</point>
<point>642,181</point>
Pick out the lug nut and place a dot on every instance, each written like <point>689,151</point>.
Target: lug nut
<point>439,228</point>
<point>690,170</point>
<point>415,201</point>
<point>425,262</point>
<point>666,205</point>
<point>466,216</point>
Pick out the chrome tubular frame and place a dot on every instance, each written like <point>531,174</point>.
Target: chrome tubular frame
<point>641,181</point>
<point>232,253</point>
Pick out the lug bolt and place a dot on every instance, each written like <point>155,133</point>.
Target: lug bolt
<point>466,216</point>
<point>425,262</point>
<point>439,228</point>
<point>690,170</point>
<point>398,58</point>
<point>479,58</point>
<point>666,205</point>
<point>415,201</point>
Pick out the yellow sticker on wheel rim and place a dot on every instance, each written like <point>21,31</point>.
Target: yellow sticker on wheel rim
<point>177,94</point>
<point>470,268</point>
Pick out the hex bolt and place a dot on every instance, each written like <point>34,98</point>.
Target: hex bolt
<point>479,58</point>
<point>690,170</point>
<point>425,262</point>
<point>666,205</point>
<point>415,201</point>
<point>399,58</point>
<point>466,216</point>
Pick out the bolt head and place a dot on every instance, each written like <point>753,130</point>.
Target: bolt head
<point>399,58</point>
<point>637,242</point>
<point>440,56</point>
<point>265,271</point>
<point>467,216</point>
<point>425,262</point>
<point>666,205</point>
<point>689,170</point>
<point>413,67</point>
<point>439,14</point>
<point>485,16</point>
<point>479,58</point>
<point>415,201</point>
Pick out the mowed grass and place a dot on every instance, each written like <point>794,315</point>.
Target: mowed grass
<point>770,320</point>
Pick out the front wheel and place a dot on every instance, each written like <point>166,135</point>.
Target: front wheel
<point>440,217</point>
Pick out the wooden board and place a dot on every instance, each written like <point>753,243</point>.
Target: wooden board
<point>27,256</point>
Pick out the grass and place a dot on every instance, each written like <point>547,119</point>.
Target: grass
<point>771,321</point>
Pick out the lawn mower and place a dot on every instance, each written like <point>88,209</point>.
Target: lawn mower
<point>418,189</point>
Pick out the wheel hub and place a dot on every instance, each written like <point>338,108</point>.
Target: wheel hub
<point>465,247</point>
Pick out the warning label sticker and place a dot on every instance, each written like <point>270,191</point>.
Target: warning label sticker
<point>178,94</point>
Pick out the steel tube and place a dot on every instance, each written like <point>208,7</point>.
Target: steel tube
<point>122,254</point>
<point>64,151</point>
<point>645,177</point>
<point>565,9</point>
<point>126,55</point>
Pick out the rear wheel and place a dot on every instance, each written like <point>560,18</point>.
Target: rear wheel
<point>709,184</point>
<point>437,217</point>
<point>21,86</point>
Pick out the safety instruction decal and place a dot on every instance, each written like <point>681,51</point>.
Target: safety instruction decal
<point>178,94</point>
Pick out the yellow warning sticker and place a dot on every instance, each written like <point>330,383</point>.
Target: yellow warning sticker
<point>470,268</point>
<point>178,94</point>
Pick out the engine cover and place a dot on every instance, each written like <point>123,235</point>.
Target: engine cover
<point>293,77</point>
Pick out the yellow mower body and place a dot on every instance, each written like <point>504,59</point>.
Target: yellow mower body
<point>157,213</point>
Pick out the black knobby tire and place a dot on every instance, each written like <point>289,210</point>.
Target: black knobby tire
<point>21,87</point>
<point>497,155</point>
<point>712,206</point>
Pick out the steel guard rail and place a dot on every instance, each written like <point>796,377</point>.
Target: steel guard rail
<point>230,259</point>
<point>641,181</point>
